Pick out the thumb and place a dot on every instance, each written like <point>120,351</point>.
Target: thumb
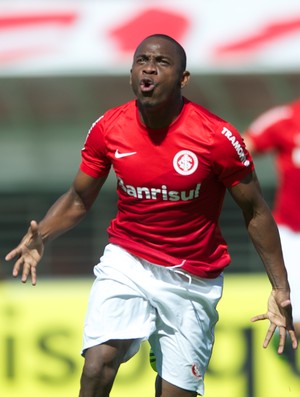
<point>34,227</point>
<point>285,303</point>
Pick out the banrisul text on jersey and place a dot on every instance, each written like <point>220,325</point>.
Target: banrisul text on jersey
<point>159,193</point>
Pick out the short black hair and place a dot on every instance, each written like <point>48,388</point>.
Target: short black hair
<point>180,50</point>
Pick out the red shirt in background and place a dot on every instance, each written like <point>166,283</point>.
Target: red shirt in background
<point>278,130</point>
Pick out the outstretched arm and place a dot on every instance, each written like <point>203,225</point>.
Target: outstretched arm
<point>64,214</point>
<point>265,237</point>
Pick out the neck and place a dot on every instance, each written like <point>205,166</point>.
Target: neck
<point>158,118</point>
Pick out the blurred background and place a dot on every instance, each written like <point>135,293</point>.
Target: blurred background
<point>62,64</point>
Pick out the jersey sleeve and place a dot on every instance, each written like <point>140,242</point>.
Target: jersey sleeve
<point>94,160</point>
<point>230,159</point>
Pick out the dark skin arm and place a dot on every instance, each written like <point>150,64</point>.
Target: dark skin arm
<point>264,234</point>
<point>64,214</point>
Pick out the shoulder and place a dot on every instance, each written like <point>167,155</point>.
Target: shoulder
<point>201,113</point>
<point>107,121</point>
<point>222,138</point>
<point>272,117</point>
<point>214,123</point>
<point>206,124</point>
<point>110,116</point>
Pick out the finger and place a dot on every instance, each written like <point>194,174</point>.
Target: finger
<point>269,335</point>
<point>294,339</point>
<point>17,266</point>
<point>12,254</point>
<point>34,228</point>
<point>33,275</point>
<point>26,272</point>
<point>282,339</point>
<point>259,317</point>
<point>285,303</point>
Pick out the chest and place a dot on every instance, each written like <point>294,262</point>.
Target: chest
<point>178,159</point>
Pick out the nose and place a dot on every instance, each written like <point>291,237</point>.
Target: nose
<point>149,67</point>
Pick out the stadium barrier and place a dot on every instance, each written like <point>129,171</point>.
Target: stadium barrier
<point>41,331</point>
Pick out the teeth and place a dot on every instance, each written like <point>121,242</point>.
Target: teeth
<point>147,83</point>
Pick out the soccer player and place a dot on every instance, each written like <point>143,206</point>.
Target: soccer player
<point>161,275</point>
<point>277,131</point>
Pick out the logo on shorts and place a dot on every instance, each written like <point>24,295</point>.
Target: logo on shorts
<point>185,162</point>
<point>196,371</point>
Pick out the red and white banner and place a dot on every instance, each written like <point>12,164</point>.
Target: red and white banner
<point>83,37</point>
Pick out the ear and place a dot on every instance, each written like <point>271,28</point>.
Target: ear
<point>185,79</point>
<point>130,77</point>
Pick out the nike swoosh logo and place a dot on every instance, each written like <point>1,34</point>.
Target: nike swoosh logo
<point>120,155</point>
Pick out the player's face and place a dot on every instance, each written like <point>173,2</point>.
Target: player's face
<point>156,74</point>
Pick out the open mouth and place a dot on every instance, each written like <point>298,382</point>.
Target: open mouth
<point>147,85</point>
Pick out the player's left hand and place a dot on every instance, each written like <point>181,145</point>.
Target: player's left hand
<point>28,254</point>
<point>280,316</point>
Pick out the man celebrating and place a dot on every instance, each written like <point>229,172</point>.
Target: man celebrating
<point>161,275</point>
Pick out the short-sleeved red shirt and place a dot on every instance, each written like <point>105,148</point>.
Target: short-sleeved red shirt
<point>278,130</point>
<point>171,184</point>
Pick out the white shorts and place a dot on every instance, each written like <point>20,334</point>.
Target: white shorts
<point>290,242</point>
<point>134,299</point>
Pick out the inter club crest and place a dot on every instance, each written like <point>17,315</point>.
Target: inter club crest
<point>185,162</point>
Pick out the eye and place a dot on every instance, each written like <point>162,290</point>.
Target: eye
<point>163,61</point>
<point>140,60</point>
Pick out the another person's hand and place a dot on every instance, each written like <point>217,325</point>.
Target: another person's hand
<point>280,316</point>
<point>29,253</point>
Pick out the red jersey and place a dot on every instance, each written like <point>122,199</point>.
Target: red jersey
<point>279,130</point>
<point>170,182</point>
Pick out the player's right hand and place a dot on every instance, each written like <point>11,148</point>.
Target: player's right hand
<point>29,253</point>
